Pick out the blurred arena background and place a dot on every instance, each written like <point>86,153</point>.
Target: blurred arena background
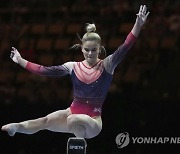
<point>144,98</point>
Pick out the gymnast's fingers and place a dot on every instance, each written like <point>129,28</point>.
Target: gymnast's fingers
<point>141,8</point>
<point>144,9</point>
<point>12,54</point>
<point>14,49</point>
<point>147,14</point>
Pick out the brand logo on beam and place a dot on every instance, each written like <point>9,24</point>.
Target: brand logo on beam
<point>76,147</point>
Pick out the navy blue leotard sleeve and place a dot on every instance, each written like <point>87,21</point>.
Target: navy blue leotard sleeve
<point>114,59</point>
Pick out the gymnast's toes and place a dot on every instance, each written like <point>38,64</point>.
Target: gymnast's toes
<point>10,128</point>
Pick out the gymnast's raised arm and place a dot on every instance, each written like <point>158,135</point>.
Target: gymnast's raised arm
<point>114,59</point>
<point>59,70</point>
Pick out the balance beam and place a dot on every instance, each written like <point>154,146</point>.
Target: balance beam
<point>76,145</point>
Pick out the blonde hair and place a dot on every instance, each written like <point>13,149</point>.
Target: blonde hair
<point>89,36</point>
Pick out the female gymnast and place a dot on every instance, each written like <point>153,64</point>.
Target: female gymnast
<point>91,79</point>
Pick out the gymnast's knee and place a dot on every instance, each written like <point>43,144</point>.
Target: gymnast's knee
<point>72,119</point>
<point>75,126</point>
<point>46,121</point>
<point>78,130</point>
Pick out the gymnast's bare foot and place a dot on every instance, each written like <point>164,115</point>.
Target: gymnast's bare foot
<point>10,128</point>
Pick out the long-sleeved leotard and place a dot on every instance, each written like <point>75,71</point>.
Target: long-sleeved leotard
<point>90,85</point>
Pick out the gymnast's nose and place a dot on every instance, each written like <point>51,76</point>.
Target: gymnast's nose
<point>90,52</point>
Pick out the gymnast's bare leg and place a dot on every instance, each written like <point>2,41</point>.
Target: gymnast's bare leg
<point>60,121</point>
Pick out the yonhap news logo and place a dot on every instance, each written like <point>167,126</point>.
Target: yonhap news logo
<point>123,139</point>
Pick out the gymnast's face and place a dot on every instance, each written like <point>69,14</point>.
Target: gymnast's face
<point>91,50</point>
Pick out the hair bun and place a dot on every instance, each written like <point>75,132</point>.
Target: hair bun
<point>90,28</point>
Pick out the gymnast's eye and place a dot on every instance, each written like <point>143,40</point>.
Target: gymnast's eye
<point>94,49</point>
<point>87,49</point>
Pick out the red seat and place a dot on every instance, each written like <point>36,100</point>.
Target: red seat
<point>46,59</point>
<point>56,29</point>
<point>168,42</point>
<point>114,43</point>
<point>125,28</point>
<point>73,28</point>
<point>62,44</point>
<point>38,29</point>
<point>44,44</point>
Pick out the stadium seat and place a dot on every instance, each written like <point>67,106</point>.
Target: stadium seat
<point>62,44</point>
<point>5,45</point>
<point>38,29</point>
<point>44,44</point>
<point>56,29</point>
<point>6,76</point>
<point>153,42</point>
<point>114,43</point>
<point>168,42</point>
<point>46,59</point>
<point>125,28</point>
<point>23,77</point>
<point>24,30</point>
<point>73,28</point>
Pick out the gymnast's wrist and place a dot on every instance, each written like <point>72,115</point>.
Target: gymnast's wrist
<point>138,25</point>
<point>136,29</point>
<point>22,62</point>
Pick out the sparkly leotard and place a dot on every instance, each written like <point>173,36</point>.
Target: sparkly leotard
<point>90,85</point>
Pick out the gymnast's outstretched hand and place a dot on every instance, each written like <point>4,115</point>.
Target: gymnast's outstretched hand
<point>15,55</point>
<point>142,15</point>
